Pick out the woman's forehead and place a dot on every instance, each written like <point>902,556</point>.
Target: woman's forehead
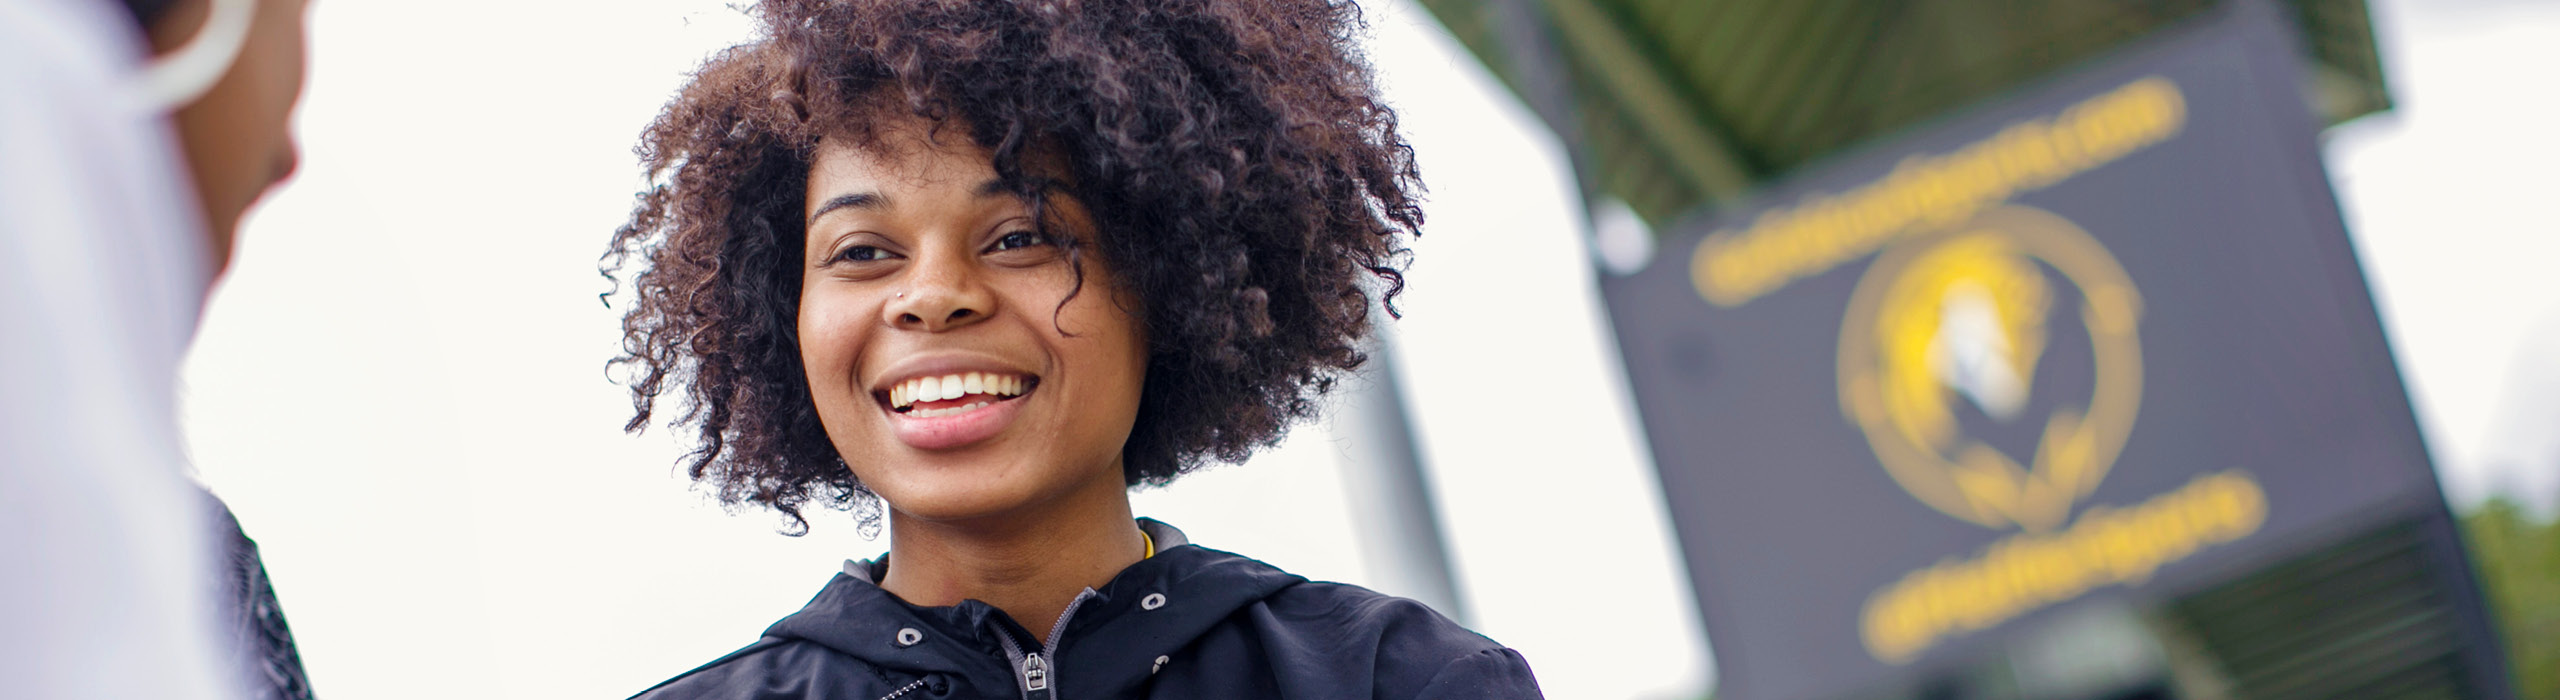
<point>901,155</point>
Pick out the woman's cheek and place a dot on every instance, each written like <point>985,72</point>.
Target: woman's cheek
<point>829,346</point>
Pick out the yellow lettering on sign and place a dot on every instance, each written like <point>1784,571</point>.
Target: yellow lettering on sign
<point>1927,192</point>
<point>2026,572</point>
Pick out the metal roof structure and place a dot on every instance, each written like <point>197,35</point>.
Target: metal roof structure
<point>1671,105</point>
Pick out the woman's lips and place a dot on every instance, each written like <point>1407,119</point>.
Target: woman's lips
<point>942,424</point>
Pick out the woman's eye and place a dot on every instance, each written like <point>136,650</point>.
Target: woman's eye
<point>861,253</point>
<point>1019,239</point>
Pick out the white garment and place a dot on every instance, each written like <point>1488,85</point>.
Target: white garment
<point>105,591</point>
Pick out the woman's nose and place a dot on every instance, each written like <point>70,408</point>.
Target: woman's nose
<point>942,293</point>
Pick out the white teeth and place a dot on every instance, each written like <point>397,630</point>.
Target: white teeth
<point>953,386</point>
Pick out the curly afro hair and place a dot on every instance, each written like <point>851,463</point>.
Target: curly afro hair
<point>1246,179</point>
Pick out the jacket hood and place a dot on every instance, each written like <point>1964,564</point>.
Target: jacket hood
<point>1148,611</point>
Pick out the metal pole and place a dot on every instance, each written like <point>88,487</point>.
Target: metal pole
<point>1545,82</point>
<point>1391,497</point>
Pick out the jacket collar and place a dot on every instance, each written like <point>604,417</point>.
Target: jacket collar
<point>1148,610</point>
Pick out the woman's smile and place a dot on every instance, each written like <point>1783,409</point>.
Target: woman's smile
<point>944,403</point>
<point>949,394</point>
<point>947,424</point>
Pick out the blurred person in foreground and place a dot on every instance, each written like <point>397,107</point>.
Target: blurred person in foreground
<point>133,135</point>
<point>993,264</point>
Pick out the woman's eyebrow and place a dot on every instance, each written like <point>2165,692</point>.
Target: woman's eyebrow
<point>873,200</point>
<point>857,200</point>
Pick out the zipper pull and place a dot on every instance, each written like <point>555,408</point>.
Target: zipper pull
<point>1035,677</point>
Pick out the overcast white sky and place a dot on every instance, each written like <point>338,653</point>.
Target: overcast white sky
<point>400,386</point>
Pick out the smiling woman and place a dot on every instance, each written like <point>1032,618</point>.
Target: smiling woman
<point>990,264</point>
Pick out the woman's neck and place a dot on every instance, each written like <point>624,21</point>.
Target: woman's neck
<point>1028,565</point>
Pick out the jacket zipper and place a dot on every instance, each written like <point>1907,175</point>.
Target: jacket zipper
<point>904,689</point>
<point>1031,668</point>
<point>1035,677</point>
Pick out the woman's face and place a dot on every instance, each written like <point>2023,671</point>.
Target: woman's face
<point>942,363</point>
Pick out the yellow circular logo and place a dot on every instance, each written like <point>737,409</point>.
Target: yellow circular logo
<point>1948,324</point>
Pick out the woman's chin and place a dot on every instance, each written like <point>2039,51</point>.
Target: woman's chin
<point>989,491</point>
<point>957,496</point>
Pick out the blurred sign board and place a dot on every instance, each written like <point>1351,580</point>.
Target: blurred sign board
<point>2103,340</point>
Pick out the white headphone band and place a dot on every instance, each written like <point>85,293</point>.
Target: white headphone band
<point>183,76</point>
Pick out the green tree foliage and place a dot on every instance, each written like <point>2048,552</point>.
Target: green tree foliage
<point>2518,556</point>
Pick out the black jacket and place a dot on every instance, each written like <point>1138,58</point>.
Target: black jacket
<point>1190,622</point>
<point>258,641</point>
